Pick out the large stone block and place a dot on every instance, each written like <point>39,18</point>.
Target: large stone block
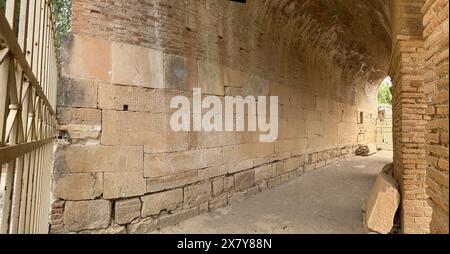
<point>85,215</point>
<point>263,173</point>
<point>244,180</point>
<point>80,159</point>
<point>235,78</point>
<point>131,98</point>
<point>123,184</point>
<point>172,181</point>
<point>75,92</point>
<point>141,128</point>
<point>157,165</point>
<point>382,204</point>
<point>137,66</point>
<point>211,78</point>
<point>86,57</point>
<point>79,122</point>
<point>126,210</point>
<point>197,193</point>
<point>153,204</point>
<point>180,73</point>
<point>77,186</point>
<point>143,226</point>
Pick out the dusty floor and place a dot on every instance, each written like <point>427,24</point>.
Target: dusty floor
<point>325,201</point>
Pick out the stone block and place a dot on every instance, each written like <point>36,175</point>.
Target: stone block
<point>151,130</point>
<point>81,159</point>
<point>382,204</point>
<point>263,173</point>
<point>123,184</point>
<point>172,181</point>
<point>218,202</point>
<point>211,78</point>
<point>79,122</point>
<point>153,204</point>
<point>143,226</point>
<point>197,193</point>
<point>78,186</point>
<point>85,215</point>
<point>126,210</point>
<point>131,98</point>
<point>217,186</point>
<point>86,57</point>
<point>235,78</point>
<point>180,73</point>
<point>75,92</point>
<point>137,66</point>
<point>244,180</point>
<point>179,216</point>
<point>157,165</point>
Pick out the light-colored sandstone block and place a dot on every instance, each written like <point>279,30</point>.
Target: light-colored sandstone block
<point>263,173</point>
<point>244,180</point>
<point>153,204</point>
<point>123,184</point>
<point>117,97</point>
<point>79,122</point>
<point>77,186</point>
<point>197,193</point>
<point>173,219</point>
<point>217,186</point>
<point>99,159</point>
<point>151,130</point>
<point>143,226</point>
<point>126,210</point>
<point>157,165</point>
<point>89,58</point>
<point>211,78</point>
<point>382,204</point>
<point>84,215</point>
<point>137,66</point>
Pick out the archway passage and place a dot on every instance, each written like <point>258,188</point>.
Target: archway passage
<point>323,59</point>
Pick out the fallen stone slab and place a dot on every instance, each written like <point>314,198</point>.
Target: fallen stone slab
<point>382,205</point>
<point>366,150</point>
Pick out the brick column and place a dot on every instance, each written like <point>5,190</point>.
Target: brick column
<point>435,21</point>
<point>409,121</point>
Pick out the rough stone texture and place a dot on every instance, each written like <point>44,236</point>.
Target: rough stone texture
<point>153,204</point>
<point>127,59</point>
<point>84,215</point>
<point>382,204</point>
<point>142,226</point>
<point>77,186</point>
<point>123,184</point>
<point>435,21</point>
<point>126,210</point>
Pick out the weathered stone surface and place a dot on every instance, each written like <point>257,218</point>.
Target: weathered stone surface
<point>197,193</point>
<point>112,230</point>
<point>79,122</point>
<point>75,92</point>
<point>123,184</point>
<point>126,210</point>
<point>77,186</point>
<point>157,165</point>
<point>131,98</point>
<point>210,78</point>
<point>217,186</point>
<point>143,226</point>
<point>263,173</point>
<point>99,159</point>
<point>140,128</point>
<point>235,78</point>
<point>84,215</point>
<point>382,204</point>
<point>172,181</point>
<point>218,202</point>
<point>180,72</point>
<point>173,219</point>
<point>244,180</point>
<point>153,204</point>
<point>137,66</point>
<point>87,57</point>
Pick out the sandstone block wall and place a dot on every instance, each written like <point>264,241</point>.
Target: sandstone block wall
<point>118,166</point>
<point>435,22</point>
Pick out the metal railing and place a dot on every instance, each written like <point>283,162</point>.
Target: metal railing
<point>28,79</point>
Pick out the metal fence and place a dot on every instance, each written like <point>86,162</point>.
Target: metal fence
<point>28,79</point>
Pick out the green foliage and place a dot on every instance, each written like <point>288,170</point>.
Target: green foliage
<point>384,92</point>
<point>62,13</point>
